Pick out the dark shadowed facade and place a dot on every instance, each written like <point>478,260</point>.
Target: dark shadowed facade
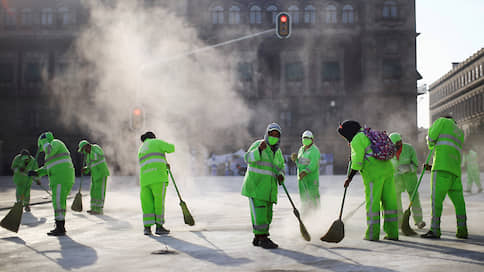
<point>346,59</point>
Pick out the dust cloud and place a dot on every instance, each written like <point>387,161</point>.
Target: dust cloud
<point>123,60</point>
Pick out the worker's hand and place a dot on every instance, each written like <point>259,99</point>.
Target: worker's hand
<point>294,157</point>
<point>427,167</point>
<point>33,173</point>
<point>168,166</point>
<point>280,179</point>
<point>85,170</point>
<point>262,146</point>
<point>302,174</point>
<point>347,182</point>
<point>37,181</point>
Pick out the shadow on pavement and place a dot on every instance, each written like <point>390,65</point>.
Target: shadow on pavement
<point>28,219</point>
<point>476,256</point>
<point>203,253</point>
<point>73,254</point>
<point>328,264</point>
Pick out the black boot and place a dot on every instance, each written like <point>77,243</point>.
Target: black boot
<point>160,230</point>
<point>27,208</point>
<point>430,235</point>
<point>263,241</point>
<point>147,231</point>
<point>59,229</point>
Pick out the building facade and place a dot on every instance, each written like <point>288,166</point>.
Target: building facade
<point>460,94</point>
<point>345,59</point>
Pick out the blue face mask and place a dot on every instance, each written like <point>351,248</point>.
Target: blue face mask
<point>272,140</point>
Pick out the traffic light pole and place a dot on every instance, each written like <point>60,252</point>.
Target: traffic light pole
<point>203,49</point>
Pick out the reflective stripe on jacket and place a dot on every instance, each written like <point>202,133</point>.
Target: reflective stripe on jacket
<point>260,178</point>
<point>152,161</point>
<point>447,139</point>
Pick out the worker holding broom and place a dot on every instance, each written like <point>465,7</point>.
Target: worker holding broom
<point>21,165</point>
<point>377,177</point>
<point>405,164</point>
<point>446,139</point>
<point>153,181</point>
<point>60,170</point>
<point>265,169</point>
<point>97,166</point>
<point>307,161</point>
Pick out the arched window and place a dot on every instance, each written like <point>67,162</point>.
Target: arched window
<point>294,13</point>
<point>389,9</point>
<point>331,14</point>
<point>309,15</point>
<point>255,15</point>
<point>47,16</point>
<point>348,15</point>
<point>217,15</point>
<point>26,17</point>
<point>272,10</point>
<point>234,15</point>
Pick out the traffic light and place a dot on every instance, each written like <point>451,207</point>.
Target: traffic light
<point>137,119</point>
<point>283,25</point>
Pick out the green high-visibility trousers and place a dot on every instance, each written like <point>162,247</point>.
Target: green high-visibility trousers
<point>98,193</point>
<point>153,203</point>
<point>444,183</point>
<point>380,190</point>
<point>473,176</point>
<point>22,191</point>
<point>407,182</point>
<point>309,194</point>
<point>60,192</point>
<point>261,215</point>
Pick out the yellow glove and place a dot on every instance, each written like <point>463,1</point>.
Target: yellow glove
<point>294,157</point>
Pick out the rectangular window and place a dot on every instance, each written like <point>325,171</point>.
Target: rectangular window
<point>33,72</point>
<point>244,70</point>
<point>6,73</point>
<point>331,71</point>
<point>392,69</point>
<point>294,71</point>
<point>27,18</point>
<point>47,17</point>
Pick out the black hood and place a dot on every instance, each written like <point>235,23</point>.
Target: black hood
<point>348,129</point>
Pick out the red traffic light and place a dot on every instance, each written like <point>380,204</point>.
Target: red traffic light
<point>283,25</point>
<point>137,112</point>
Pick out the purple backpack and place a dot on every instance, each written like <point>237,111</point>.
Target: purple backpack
<point>381,145</point>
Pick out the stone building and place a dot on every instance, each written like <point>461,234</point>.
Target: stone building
<point>345,59</point>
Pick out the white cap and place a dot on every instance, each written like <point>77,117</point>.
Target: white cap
<point>308,134</point>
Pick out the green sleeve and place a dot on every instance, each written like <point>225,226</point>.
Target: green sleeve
<point>166,147</point>
<point>15,162</point>
<point>253,153</point>
<point>280,159</point>
<point>414,159</point>
<point>434,132</point>
<point>357,152</point>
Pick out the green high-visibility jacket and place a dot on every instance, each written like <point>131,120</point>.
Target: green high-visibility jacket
<point>260,180</point>
<point>57,162</point>
<point>407,161</point>
<point>361,159</point>
<point>470,161</point>
<point>21,165</point>
<point>96,162</point>
<point>447,139</point>
<point>308,161</point>
<point>152,161</point>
